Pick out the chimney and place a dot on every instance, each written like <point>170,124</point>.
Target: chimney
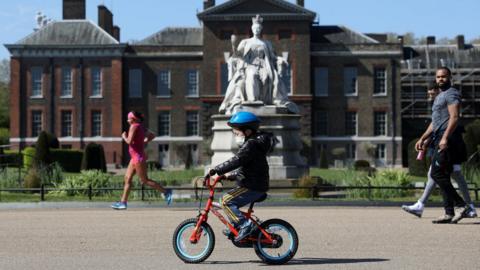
<point>208,4</point>
<point>74,9</point>
<point>105,19</point>
<point>430,40</point>
<point>116,32</point>
<point>461,42</point>
<point>400,40</point>
<point>301,3</point>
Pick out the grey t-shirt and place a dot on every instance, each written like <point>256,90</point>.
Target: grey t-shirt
<point>440,115</point>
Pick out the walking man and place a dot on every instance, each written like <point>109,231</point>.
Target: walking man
<point>445,116</point>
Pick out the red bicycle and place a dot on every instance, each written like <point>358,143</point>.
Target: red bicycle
<point>275,241</point>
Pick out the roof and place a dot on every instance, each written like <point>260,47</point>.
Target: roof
<point>246,9</point>
<point>69,32</point>
<point>338,34</point>
<point>435,55</point>
<point>175,36</point>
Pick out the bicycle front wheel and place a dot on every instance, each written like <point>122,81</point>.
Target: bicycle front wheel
<point>285,243</point>
<point>193,252</point>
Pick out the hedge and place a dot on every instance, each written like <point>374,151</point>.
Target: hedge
<point>70,160</point>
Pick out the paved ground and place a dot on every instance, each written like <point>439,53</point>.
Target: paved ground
<point>330,238</point>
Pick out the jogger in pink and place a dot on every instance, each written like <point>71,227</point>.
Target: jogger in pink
<point>136,138</point>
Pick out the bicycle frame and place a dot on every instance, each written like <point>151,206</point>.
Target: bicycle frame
<point>203,217</point>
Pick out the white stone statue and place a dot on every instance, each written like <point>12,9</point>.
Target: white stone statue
<point>255,74</point>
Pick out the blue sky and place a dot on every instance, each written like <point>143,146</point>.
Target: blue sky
<point>141,18</point>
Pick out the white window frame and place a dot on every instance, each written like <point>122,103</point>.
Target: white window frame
<point>349,148</point>
<point>197,79</point>
<point>36,82</point>
<point>378,157</point>
<point>197,128</point>
<point>169,123</point>
<point>345,73</point>
<point>385,81</point>
<point>35,113</point>
<point>69,123</point>
<point>66,90</point>
<point>94,113</point>
<point>169,83</point>
<point>385,123</point>
<point>96,82</point>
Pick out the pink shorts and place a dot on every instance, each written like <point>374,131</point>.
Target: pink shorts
<point>136,158</point>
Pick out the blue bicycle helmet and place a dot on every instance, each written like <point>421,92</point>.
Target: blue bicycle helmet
<point>244,121</point>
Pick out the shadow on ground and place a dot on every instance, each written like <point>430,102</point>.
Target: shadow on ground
<point>311,261</point>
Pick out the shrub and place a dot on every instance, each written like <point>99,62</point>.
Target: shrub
<point>384,178</point>
<point>361,165</point>
<point>42,154</point>
<point>94,158</point>
<point>94,178</point>
<point>33,178</point>
<point>305,181</point>
<point>416,167</point>
<point>69,160</point>
<point>472,137</point>
<point>13,158</point>
<point>28,157</point>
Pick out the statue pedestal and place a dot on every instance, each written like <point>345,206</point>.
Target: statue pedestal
<point>285,161</point>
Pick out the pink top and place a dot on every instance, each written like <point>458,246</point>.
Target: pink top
<point>136,146</point>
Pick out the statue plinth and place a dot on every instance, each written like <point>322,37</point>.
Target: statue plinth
<point>285,161</point>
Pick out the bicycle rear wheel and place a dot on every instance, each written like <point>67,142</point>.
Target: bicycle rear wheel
<point>285,246</point>
<point>193,252</point>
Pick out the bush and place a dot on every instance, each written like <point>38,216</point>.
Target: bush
<point>361,165</point>
<point>33,178</point>
<point>94,178</point>
<point>42,154</point>
<point>52,140</point>
<point>472,137</point>
<point>69,160</point>
<point>12,158</point>
<point>28,157</point>
<point>4,136</point>
<point>305,181</point>
<point>416,167</point>
<point>385,178</point>
<point>94,158</point>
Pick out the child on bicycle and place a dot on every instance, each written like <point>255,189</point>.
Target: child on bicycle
<point>250,169</point>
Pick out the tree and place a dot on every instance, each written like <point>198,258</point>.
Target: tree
<point>472,137</point>
<point>94,158</point>
<point>5,71</point>
<point>42,153</point>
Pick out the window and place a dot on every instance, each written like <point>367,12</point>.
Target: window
<point>288,79</point>
<point>135,83</point>
<point>192,83</point>
<point>164,123</point>
<point>96,82</point>
<point>163,83</point>
<point>37,73</point>
<point>350,123</point>
<point>380,83</point>
<point>224,78</point>
<point>380,123</point>
<point>66,123</point>
<point>350,81</point>
<point>351,151</point>
<point>36,123</point>
<point>321,82</point>
<point>66,82</point>
<point>192,123</point>
<point>321,123</point>
<point>96,123</point>
<point>380,152</point>
<point>285,34</point>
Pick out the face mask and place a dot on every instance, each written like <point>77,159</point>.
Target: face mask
<point>239,140</point>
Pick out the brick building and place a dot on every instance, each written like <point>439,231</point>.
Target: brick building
<point>75,78</point>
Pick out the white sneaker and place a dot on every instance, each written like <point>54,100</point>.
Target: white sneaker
<point>472,213</point>
<point>415,209</point>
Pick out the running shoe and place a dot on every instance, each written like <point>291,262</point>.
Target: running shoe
<point>120,206</point>
<point>168,195</point>
<point>460,212</point>
<point>443,219</point>
<point>415,209</point>
<point>472,213</point>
